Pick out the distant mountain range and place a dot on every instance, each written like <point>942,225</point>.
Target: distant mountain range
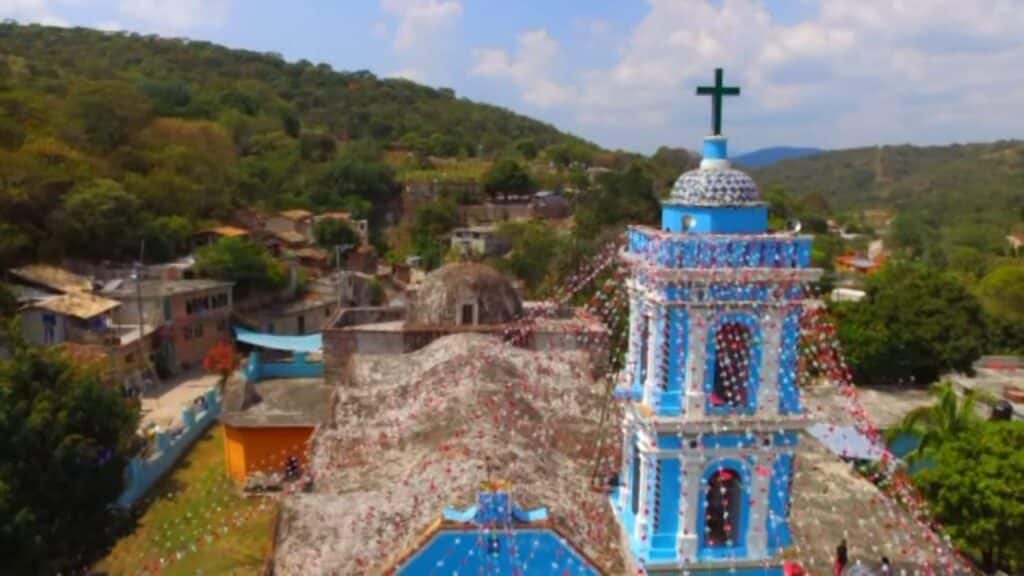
<point>768,156</point>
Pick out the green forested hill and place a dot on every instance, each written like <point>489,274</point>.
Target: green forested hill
<point>107,138</point>
<point>943,185</point>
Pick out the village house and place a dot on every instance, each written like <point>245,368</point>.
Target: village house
<point>550,204</point>
<point>267,423</point>
<point>291,221</point>
<point>58,309</point>
<point>191,316</point>
<point>480,241</point>
<point>210,235</point>
<point>857,263</point>
<point>456,298</point>
<point>303,316</point>
<point>51,279</point>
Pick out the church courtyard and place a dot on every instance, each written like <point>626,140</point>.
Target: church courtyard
<point>195,521</point>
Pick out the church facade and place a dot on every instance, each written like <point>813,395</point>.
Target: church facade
<point>713,410</point>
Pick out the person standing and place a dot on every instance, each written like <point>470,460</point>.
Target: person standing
<point>841,558</point>
<point>886,568</point>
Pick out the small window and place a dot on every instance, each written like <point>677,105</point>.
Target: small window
<point>723,508</point>
<point>467,314</point>
<point>732,365</point>
<point>327,311</point>
<point>302,324</point>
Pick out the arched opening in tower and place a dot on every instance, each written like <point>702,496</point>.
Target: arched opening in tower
<point>722,510</point>
<point>732,365</point>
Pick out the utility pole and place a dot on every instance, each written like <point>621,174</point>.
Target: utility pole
<point>137,273</point>
<point>338,250</point>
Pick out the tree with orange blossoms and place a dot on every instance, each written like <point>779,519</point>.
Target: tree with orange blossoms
<point>222,360</point>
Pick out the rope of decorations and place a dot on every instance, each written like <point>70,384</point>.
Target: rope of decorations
<point>604,278</point>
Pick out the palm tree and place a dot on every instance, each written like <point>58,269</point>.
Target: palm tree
<point>949,417</point>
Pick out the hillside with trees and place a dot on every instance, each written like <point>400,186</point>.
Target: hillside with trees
<point>110,138</point>
<point>944,186</point>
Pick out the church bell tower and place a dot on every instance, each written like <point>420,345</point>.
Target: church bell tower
<point>713,410</point>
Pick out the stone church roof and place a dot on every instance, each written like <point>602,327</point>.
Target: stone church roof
<point>471,408</point>
<point>440,297</point>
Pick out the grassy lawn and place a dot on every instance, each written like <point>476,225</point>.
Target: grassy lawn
<point>196,521</point>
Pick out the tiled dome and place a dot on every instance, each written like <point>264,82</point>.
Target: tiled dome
<point>723,186</point>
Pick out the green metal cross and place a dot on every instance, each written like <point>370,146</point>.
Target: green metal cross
<point>716,92</point>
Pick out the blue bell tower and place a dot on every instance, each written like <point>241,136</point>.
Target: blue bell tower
<point>713,410</point>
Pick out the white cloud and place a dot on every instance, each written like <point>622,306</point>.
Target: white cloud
<point>419,20</point>
<point>176,15</point>
<point>529,69</point>
<point>423,36</point>
<point>854,71</point>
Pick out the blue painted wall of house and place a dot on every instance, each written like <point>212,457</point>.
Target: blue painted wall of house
<point>143,473</point>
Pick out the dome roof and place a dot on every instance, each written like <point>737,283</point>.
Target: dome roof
<point>443,295</point>
<point>722,186</point>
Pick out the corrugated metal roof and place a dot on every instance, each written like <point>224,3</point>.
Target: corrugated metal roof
<point>79,305</point>
<point>52,277</point>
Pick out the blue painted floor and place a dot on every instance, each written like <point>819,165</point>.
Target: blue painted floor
<point>496,553</point>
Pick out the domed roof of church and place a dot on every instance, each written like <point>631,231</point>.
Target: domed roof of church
<point>443,294</point>
<point>715,186</point>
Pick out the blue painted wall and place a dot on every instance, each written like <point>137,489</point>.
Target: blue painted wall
<point>671,400</point>
<point>778,503</point>
<point>715,219</point>
<point>702,251</point>
<point>789,392</point>
<point>666,523</point>
<point>299,367</point>
<point>142,474</point>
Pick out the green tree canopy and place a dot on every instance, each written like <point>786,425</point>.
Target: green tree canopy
<point>943,421</point>
<point>65,438</point>
<point>242,261</point>
<point>527,147</point>
<point>104,115</point>
<point>99,218</point>
<point>1002,292</point>
<point>535,248</point>
<point>356,172</point>
<point>619,198</point>
<point>432,223</point>
<point>331,232</point>
<point>973,489</point>
<point>166,237</point>
<point>506,177</point>
<point>915,324</point>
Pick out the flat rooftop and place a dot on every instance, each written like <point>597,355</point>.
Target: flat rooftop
<point>278,403</point>
<point>161,288</point>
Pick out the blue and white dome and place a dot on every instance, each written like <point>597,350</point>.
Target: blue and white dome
<point>715,186</point>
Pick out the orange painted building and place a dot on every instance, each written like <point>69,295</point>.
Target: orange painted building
<point>264,449</point>
<point>265,423</point>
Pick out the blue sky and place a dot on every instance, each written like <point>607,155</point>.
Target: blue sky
<point>829,73</point>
